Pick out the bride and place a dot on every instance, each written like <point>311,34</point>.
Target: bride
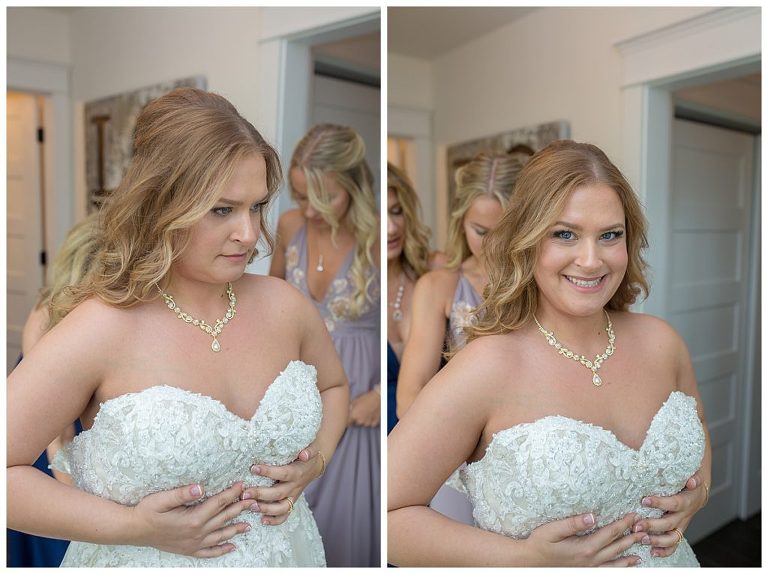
<point>558,443</point>
<point>184,370</point>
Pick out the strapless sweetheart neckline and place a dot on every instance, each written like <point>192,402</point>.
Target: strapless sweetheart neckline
<point>609,434</point>
<point>164,437</point>
<point>202,396</point>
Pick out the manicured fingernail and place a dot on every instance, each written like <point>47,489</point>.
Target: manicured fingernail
<point>638,560</point>
<point>655,553</point>
<point>246,495</point>
<point>196,490</point>
<point>589,519</point>
<point>247,528</point>
<point>255,506</point>
<point>695,483</point>
<point>231,548</point>
<point>638,527</point>
<point>646,501</point>
<point>255,469</point>
<point>646,540</point>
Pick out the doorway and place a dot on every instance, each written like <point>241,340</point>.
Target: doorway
<point>24,215</point>
<point>703,192</point>
<point>309,97</point>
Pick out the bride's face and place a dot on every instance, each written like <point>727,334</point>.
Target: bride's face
<point>221,243</point>
<point>583,258</point>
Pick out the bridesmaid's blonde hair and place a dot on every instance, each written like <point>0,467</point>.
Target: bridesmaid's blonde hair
<point>491,175</point>
<point>415,255</point>
<point>340,151</point>
<point>511,249</point>
<point>70,265</point>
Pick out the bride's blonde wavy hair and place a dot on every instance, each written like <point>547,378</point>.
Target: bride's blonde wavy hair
<point>414,257</point>
<point>340,151</point>
<point>511,249</point>
<point>492,175</point>
<point>186,146</point>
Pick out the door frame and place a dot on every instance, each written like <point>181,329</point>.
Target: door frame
<point>685,54</point>
<point>53,82</point>
<point>285,69</point>
<point>296,94</point>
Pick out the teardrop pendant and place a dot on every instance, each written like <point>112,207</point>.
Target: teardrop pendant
<point>596,380</point>
<point>215,346</point>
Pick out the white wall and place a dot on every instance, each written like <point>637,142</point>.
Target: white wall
<point>553,64</point>
<point>40,34</point>
<point>409,82</point>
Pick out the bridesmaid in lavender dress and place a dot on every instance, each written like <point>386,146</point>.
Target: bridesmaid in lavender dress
<point>483,187</point>
<point>328,249</point>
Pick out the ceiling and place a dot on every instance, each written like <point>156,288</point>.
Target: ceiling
<point>428,33</point>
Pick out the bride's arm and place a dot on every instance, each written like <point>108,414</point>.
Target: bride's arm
<point>440,430</point>
<point>48,390</point>
<point>316,349</point>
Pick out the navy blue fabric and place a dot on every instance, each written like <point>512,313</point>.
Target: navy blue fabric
<point>393,370</point>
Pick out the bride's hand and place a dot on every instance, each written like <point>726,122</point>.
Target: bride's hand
<point>164,521</point>
<point>558,544</point>
<point>290,481</point>
<point>678,512</point>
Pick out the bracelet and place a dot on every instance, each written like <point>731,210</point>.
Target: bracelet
<point>706,491</point>
<point>322,469</point>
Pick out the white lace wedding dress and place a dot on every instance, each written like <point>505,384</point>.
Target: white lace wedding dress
<point>556,467</point>
<point>164,437</point>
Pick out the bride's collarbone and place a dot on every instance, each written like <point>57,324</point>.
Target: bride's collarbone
<point>623,407</point>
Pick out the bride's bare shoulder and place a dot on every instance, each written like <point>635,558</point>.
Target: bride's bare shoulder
<point>642,327</point>
<point>273,293</point>
<point>487,361</point>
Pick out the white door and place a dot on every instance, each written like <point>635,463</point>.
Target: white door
<point>355,105</point>
<point>24,230</point>
<point>709,272</point>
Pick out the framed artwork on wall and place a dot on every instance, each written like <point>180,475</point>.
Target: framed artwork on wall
<point>109,124</point>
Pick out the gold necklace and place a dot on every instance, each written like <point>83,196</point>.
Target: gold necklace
<point>593,366</point>
<point>214,331</point>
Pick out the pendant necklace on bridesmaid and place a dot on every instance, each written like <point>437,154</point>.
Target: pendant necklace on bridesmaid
<point>397,314</point>
<point>214,331</point>
<point>320,267</point>
<point>593,366</point>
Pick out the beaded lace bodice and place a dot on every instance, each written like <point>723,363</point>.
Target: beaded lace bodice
<point>556,467</point>
<point>164,437</point>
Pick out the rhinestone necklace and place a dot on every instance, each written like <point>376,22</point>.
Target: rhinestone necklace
<point>593,366</point>
<point>397,314</point>
<point>214,331</point>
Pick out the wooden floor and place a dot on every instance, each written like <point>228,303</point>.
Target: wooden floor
<point>735,544</point>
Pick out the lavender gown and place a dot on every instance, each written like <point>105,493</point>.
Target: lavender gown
<point>451,500</point>
<point>346,500</point>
